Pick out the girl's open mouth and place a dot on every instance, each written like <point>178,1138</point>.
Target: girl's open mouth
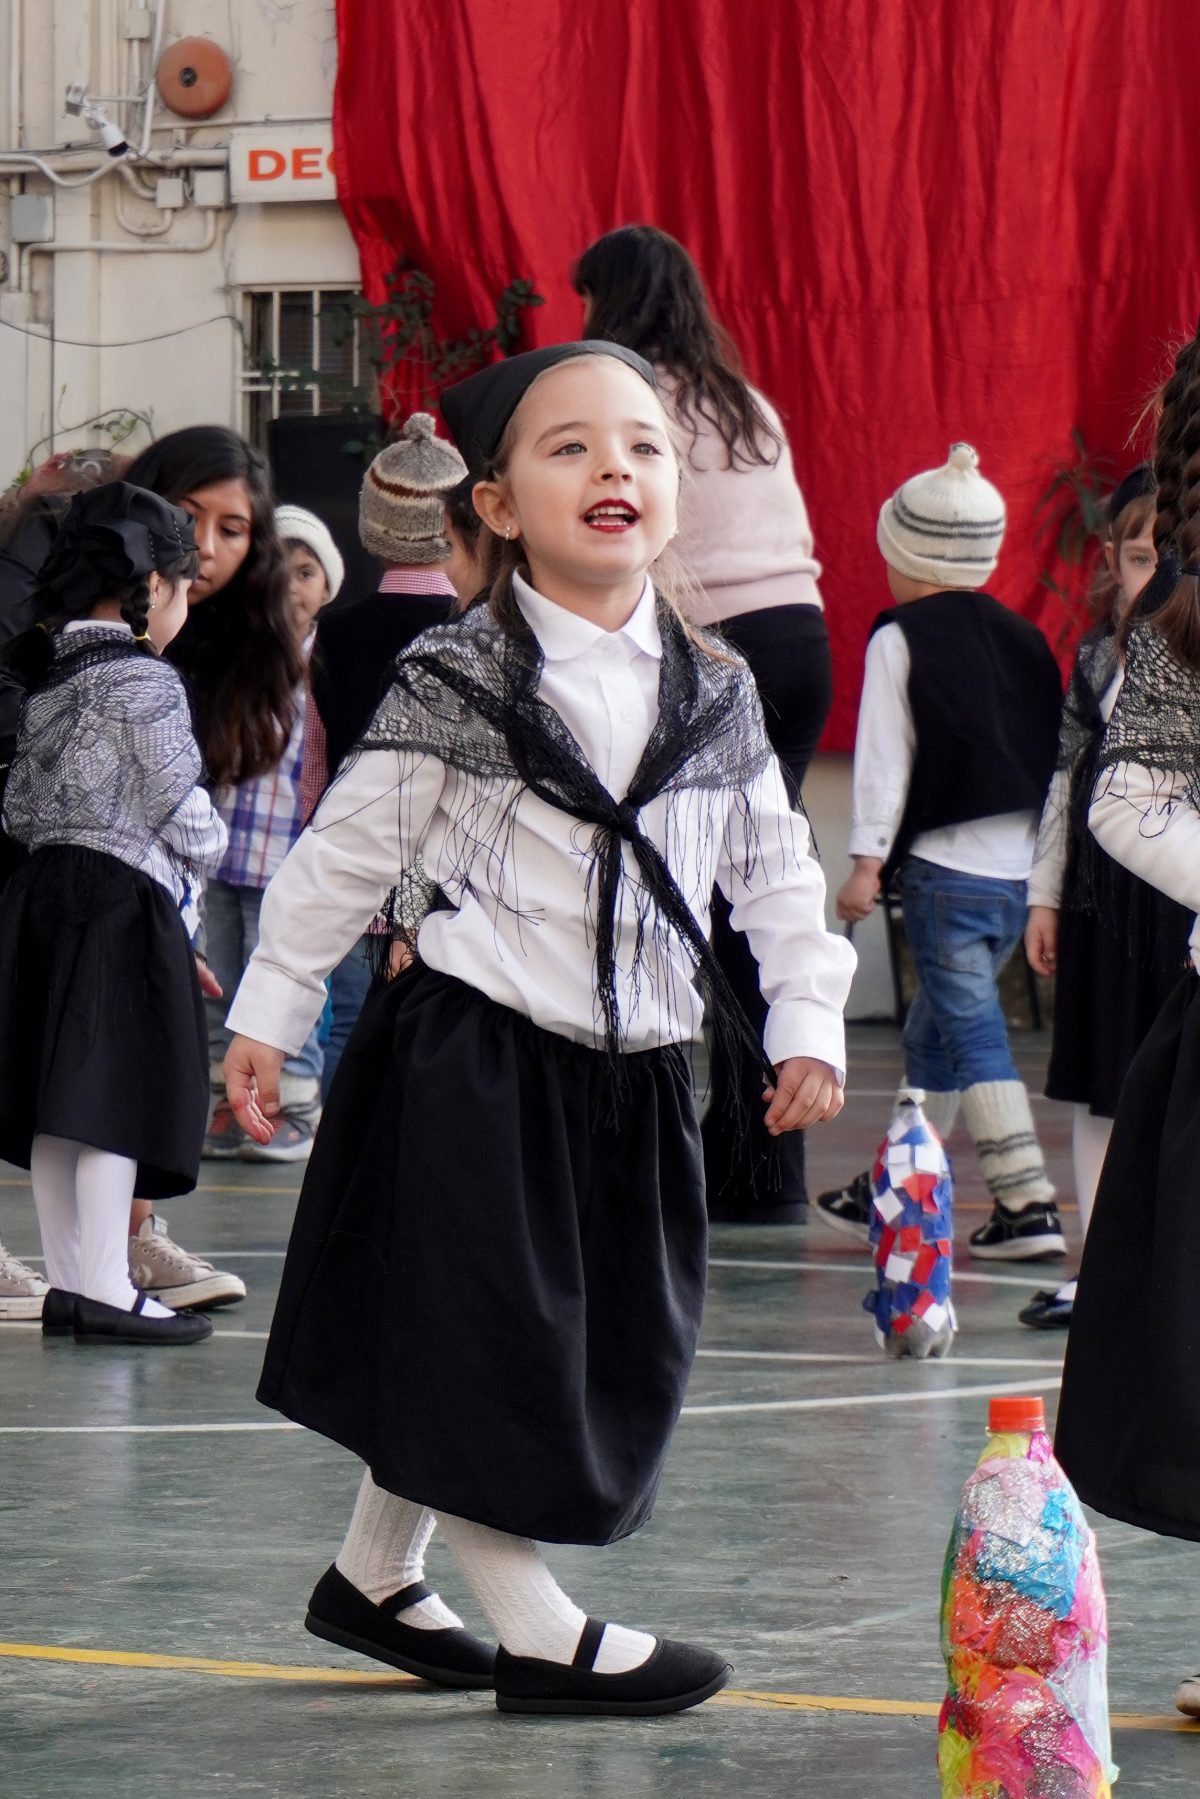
<point>612,515</point>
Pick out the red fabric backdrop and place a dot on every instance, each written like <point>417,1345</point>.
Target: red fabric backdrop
<point>920,223</point>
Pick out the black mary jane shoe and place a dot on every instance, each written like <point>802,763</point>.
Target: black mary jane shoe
<point>96,1322</point>
<point>58,1312</point>
<point>339,1613</point>
<point>673,1677</point>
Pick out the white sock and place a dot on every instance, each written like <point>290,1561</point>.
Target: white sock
<point>384,1551</point>
<point>1089,1146</point>
<point>52,1173</point>
<point>940,1109</point>
<point>998,1116</point>
<point>103,1195</point>
<point>525,1605</point>
<point>1066,1293</point>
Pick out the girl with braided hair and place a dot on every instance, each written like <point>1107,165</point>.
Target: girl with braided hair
<point>1115,945</point>
<point>1129,1417</point>
<point>493,1289</point>
<point>103,1064</point>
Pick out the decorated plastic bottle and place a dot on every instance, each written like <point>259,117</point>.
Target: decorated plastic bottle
<point>1024,1629</point>
<point>912,1227</point>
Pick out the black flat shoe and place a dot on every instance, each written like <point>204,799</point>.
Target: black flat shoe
<point>674,1677</point>
<point>339,1613</point>
<point>96,1322</point>
<point>1047,1312</point>
<point>58,1312</point>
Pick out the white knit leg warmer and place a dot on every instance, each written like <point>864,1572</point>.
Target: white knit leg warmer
<point>525,1605</point>
<point>385,1550</point>
<point>1089,1146</point>
<point>998,1116</point>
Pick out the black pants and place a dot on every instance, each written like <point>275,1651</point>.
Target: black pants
<point>746,1171</point>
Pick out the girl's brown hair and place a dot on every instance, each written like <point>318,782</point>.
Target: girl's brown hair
<point>1108,604</point>
<point>1177,515</point>
<point>502,557</point>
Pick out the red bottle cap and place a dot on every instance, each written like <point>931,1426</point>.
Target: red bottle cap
<point>1022,1415</point>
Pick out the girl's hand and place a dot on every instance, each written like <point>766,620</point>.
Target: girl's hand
<point>400,957</point>
<point>857,894</point>
<point>1041,939</point>
<point>252,1084</point>
<point>210,987</point>
<point>805,1092</point>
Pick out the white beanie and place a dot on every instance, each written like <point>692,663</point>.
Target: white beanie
<point>944,526</point>
<point>306,528</point>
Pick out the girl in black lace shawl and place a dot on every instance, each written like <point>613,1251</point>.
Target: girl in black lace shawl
<point>1115,945</point>
<point>103,1086</point>
<point>494,1284</point>
<point>1129,1418</point>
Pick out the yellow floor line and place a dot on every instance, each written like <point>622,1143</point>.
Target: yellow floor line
<point>732,1696</point>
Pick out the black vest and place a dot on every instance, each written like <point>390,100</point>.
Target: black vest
<point>985,694</point>
<point>357,642</point>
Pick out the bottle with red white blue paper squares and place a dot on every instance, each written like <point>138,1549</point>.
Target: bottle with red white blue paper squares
<point>912,1218</point>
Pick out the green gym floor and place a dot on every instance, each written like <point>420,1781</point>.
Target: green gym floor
<point>162,1532</point>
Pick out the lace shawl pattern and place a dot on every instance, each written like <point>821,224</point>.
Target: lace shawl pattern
<point>1156,723</point>
<point>467,694</point>
<point>105,753</point>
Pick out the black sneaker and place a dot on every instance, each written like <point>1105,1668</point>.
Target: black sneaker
<point>849,1209</point>
<point>1034,1235</point>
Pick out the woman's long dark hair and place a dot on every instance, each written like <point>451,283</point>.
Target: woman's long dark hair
<point>237,647</point>
<point>646,293</point>
<point>1177,514</point>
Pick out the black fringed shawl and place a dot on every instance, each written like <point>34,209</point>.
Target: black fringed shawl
<point>467,693</point>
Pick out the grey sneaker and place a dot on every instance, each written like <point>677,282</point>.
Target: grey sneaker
<point>920,1342</point>
<point>21,1290</point>
<point>174,1276</point>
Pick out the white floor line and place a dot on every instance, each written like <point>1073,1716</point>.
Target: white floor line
<point>831,1403</point>
<point>838,1402</point>
<point>1040,1271</point>
<point>810,1357</point>
<point>141,1430</point>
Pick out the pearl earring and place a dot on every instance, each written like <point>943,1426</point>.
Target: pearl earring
<point>507,532</point>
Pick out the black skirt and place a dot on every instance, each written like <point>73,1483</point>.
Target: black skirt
<point>102,1036</point>
<point>1118,961</point>
<point>493,1290</point>
<point>1129,1416</point>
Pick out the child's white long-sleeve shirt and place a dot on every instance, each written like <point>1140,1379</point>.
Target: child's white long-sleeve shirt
<point>520,923</point>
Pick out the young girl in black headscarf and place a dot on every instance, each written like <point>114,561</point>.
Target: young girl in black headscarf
<point>103,1069</point>
<point>494,1286</point>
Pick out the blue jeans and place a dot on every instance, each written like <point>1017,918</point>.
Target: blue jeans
<point>961,931</point>
<point>230,935</point>
<point>348,987</point>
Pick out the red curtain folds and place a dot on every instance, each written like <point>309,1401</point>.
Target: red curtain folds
<point>920,223</point>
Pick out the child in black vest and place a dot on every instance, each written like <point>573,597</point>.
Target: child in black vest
<point>956,744</point>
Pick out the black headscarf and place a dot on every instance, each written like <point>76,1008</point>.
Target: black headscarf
<point>112,535</point>
<point>478,409</point>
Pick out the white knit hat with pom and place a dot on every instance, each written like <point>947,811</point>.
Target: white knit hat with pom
<point>402,505</point>
<point>295,524</point>
<point>944,526</point>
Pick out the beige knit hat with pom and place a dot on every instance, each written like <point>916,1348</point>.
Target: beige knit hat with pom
<point>402,506</point>
<point>944,526</point>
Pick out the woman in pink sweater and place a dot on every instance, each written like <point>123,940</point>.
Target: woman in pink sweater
<point>745,538</point>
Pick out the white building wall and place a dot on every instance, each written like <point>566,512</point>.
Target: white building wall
<point>82,329</point>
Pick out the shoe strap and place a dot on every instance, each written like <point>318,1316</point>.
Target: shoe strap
<point>590,1638</point>
<point>411,1595</point>
<point>138,1303</point>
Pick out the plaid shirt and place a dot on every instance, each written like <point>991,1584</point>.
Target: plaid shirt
<point>263,815</point>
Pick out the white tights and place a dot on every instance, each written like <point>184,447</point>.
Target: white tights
<point>83,1196</point>
<point>529,1612</point>
<point>1089,1146</point>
